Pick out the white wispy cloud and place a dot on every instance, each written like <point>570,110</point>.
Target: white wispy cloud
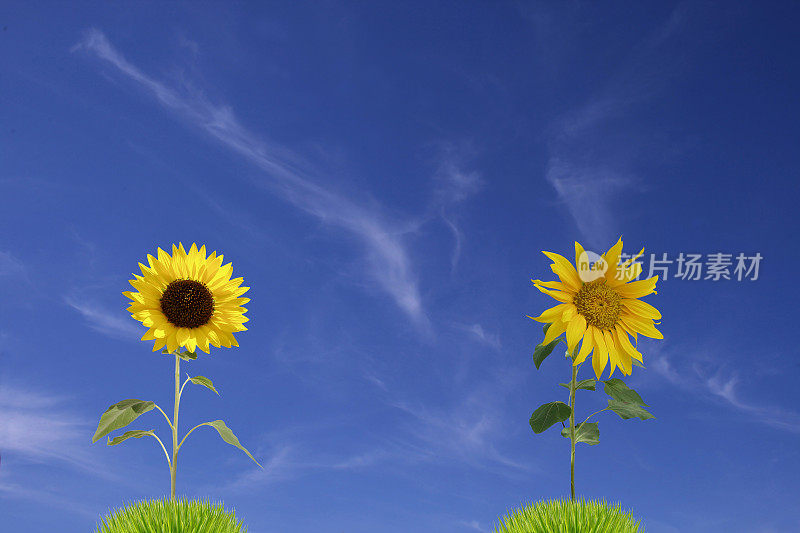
<point>290,177</point>
<point>279,467</point>
<point>16,491</point>
<point>10,265</point>
<point>464,434</point>
<point>473,525</point>
<point>723,385</point>
<point>587,192</point>
<point>468,433</point>
<point>291,460</point>
<point>477,331</point>
<point>587,167</point>
<point>454,184</point>
<point>102,320</point>
<point>41,428</point>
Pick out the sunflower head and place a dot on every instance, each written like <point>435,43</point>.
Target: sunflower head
<point>188,300</point>
<point>598,311</point>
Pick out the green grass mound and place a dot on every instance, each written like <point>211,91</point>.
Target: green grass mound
<point>164,516</point>
<point>565,516</point>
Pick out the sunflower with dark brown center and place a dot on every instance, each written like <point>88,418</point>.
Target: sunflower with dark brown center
<point>601,313</point>
<point>188,300</point>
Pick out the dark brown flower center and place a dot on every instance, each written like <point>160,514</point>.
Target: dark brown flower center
<point>599,304</point>
<point>187,303</point>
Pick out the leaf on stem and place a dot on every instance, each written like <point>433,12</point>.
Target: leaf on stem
<point>120,415</point>
<point>228,436</point>
<point>204,381</point>
<point>549,414</point>
<point>628,410</point>
<point>543,350</point>
<point>587,384</point>
<point>186,355</point>
<point>617,389</point>
<point>587,432</point>
<point>135,434</point>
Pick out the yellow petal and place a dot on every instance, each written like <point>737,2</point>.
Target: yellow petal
<point>625,342</point>
<point>565,271</point>
<point>550,314</point>
<point>634,258</point>
<point>555,329</point>
<point>550,284</point>
<point>637,289</point>
<point>161,266</point>
<point>578,252</point>
<point>558,295</point>
<point>641,325</point>
<point>632,272</point>
<point>179,261</point>
<point>623,357</point>
<point>234,283</point>
<point>612,259</point>
<point>569,312</point>
<point>600,357</point>
<point>586,346</point>
<point>575,330</point>
<point>172,344</point>
<point>223,276</point>
<point>221,336</point>
<point>641,308</point>
<point>612,353</point>
<point>159,344</point>
<point>233,340</point>
<point>211,267</point>
<point>202,340</point>
<point>135,296</point>
<point>213,338</point>
<point>182,336</point>
<point>191,344</point>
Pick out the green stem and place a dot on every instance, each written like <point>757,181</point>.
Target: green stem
<point>165,415</point>
<point>173,467</point>
<point>190,432</point>
<point>572,387</point>
<point>169,463</point>
<point>591,415</point>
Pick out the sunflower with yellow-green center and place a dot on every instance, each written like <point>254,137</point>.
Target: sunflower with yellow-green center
<point>600,314</point>
<point>188,300</point>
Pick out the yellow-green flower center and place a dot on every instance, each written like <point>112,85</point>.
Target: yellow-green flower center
<point>187,303</point>
<point>599,304</point>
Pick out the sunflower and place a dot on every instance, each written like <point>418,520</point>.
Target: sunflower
<point>188,300</point>
<point>601,313</point>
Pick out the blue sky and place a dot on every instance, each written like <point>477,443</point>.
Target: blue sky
<point>384,176</point>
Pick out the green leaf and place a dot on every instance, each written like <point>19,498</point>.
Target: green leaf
<point>120,415</point>
<point>543,350</point>
<point>228,436</point>
<point>204,381</point>
<point>549,414</point>
<point>135,434</point>
<point>617,389</point>
<point>186,355</point>
<point>587,384</point>
<point>637,363</point>
<point>587,432</point>
<point>628,410</point>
